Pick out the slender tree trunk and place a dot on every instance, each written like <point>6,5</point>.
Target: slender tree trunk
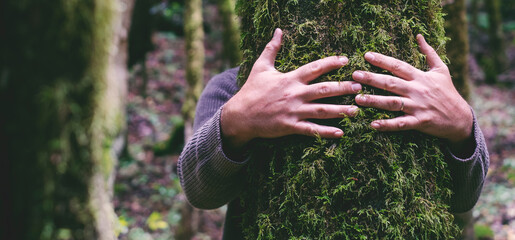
<point>456,28</point>
<point>63,82</point>
<point>498,62</point>
<point>231,33</point>
<point>367,184</point>
<point>194,37</point>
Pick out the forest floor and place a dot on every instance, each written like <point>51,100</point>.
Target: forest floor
<point>148,197</point>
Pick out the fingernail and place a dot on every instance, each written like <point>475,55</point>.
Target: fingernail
<point>375,125</point>
<point>344,60</point>
<point>353,110</point>
<point>276,32</point>
<point>356,87</point>
<point>361,98</point>
<point>338,133</point>
<point>369,56</point>
<point>358,75</point>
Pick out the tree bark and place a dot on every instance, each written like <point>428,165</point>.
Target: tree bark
<point>194,38</point>
<point>456,29</point>
<point>63,83</point>
<point>367,184</point>
<point>231,33</point>
<point>498,63</point>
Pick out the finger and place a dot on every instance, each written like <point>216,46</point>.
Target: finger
<point>326,111</point>
<point>433,59</point>
<point>313,70</point>
<point>312,129</point>
<point>330,89</point>
<point>267,57</point>
<point>395,66</point>
<point>397,124</point>
<point>389,103</point>
<point>386,82</point>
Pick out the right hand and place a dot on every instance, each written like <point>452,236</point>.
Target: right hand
<point>273,104</point>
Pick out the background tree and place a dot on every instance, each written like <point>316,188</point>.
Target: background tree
<point>498,61</point>
<point>63,68</point>
<point>231,33</point>
<point>456,28</point>
<point>140,37</point>
<point>356,186</point>
<point>194,38</point>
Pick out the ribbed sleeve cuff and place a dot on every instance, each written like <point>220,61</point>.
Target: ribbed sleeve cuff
<point>476,135</point>
<point>469,173</point>
<point>209,178</point>
<point>211,138</point>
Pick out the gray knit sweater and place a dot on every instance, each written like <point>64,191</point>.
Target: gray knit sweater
<point>210,179</point>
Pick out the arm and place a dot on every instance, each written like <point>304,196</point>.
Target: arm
<point>432,105</point>
<point>270,104</point>
<point>209,178</point>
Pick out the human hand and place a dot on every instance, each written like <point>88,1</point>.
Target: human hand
<point>430,101</point>
<point>273,104</point>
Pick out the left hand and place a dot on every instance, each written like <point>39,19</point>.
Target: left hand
<point>430,101</point>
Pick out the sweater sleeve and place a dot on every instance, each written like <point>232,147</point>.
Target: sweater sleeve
<point>208,177</point>
<point>468,175</point>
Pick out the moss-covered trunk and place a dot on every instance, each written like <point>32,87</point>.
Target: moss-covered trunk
<point>63,73</point>
<point>456,28</point>
<point>194,38</point>
<point>366,185</point>
<point>195,58</point>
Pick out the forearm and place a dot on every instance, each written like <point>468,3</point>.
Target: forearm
<point>468,172</point>
<point>209,178</point>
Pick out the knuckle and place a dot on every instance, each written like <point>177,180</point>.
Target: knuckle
<point>309,130</point>
<point>321,112</point>
<point>270,47</point>
<point>424,121</point>
<point>425,91</point>
<point>315,67</point>
<point>323,90</point>
<point>401,124</point>
<point>390,83</point>
<point>397,66</point>
<point>395,104</point>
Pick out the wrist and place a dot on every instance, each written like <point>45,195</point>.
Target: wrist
<point>462,143</point>
<point>233,133</point>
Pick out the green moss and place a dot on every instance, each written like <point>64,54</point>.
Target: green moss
<point>367,184</point>
<point>483,232</point>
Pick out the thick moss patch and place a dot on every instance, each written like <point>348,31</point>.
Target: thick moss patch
<point>366,185</point>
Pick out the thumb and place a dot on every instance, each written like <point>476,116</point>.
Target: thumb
<point>267,58</point>
<point>433,59</point>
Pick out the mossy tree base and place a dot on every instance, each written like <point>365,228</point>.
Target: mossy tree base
<point>366,185</point>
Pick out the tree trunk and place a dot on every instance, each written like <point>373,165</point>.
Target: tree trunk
<point>368,184</point>
<point>63,82</point>
<point>498,63</point>
<point>231,33</point>
<point>194,38</point>
<point>456,28</point>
